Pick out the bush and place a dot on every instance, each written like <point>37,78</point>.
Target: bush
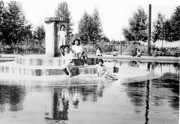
<point>23,48</point>
<point>167,52</point>
<point>108,46</point>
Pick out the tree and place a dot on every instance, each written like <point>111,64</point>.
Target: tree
<point>3,16</point>
<point>168,31</point>
<point>90,28</point>
<point>39,33</point>
<point>137,27</point>
<point>64,11</point>
<point>85,28</point>
<point>159,28</point>
<point>175,24</point>
<point>97,26</point>
<point>16,27</point>
<point>105,39</point>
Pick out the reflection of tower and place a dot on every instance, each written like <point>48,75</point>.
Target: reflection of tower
<point>58,107</point>
<point>55,105</point>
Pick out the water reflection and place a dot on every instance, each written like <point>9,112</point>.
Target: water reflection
<point>11,98</point>
<point>157,67</point>
<point>159,91</point>
<point>151,100</point>
<point>62,97</point>
<point>168,82</point>
<point>136,92</point>
<point>147,103</point>
<point>134,63</point>
<point>154,67</point>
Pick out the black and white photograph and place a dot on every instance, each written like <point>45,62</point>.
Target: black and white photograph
<point>89,61</point>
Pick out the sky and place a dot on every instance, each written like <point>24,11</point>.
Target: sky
<point>114,14</point>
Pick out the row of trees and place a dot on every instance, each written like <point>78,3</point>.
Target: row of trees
<point>168,29</point>
<point>89,27</point>
<point>164,29</point>
<point>13,25</point>
<point>15,30</point>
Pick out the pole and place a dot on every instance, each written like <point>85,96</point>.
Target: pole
<point>149,31</point>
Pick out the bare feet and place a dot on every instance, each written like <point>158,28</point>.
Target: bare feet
<point>70,75</point>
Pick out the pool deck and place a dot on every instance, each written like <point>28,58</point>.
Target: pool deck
<point>166,59</point>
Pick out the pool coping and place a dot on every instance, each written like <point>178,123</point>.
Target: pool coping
<point>166,59</point>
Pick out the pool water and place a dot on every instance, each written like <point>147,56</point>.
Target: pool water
<point>154,101</point>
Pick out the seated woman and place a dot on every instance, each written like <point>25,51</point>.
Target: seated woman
<point>61,50</point>
<point>103,71</point>
<point>78,51</point>
<point>67,60</point>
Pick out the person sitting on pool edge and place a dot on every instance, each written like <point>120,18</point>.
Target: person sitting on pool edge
<point>67,58</point>
<point>78,51</point>
<point>103,71</point>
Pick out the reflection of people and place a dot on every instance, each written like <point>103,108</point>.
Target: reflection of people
<point>134,63</point>
<point>78,51</point>
<point>61,36</point>
<point>76,100</point>
<point>63,114</point>
<point>67,59</point>
<point>103,71</point>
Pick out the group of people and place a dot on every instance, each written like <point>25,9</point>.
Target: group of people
<point>77,52</point>
<point>67,54</point>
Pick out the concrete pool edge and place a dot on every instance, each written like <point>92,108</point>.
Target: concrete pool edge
<point>167,59</point>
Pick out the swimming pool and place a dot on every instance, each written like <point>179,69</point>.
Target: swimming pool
<point>96,101</point>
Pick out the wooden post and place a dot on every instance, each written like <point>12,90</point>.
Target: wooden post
<point>149,31</point>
